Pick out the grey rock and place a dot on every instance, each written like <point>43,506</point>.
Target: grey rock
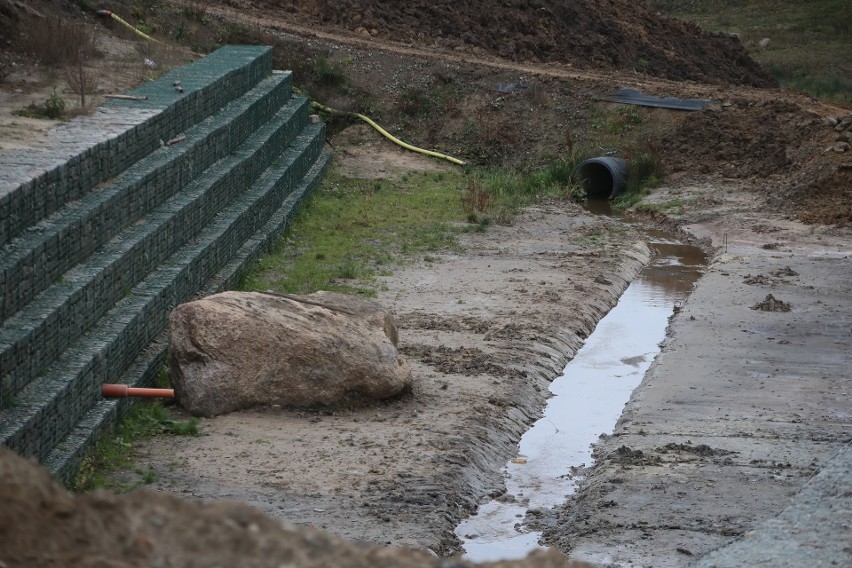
<point>238,350</point>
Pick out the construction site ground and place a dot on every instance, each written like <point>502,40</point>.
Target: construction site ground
<point>740,410</point>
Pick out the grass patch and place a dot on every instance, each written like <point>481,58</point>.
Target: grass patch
<point>112,453</point>
<point>809,44</point>
<point>351,230</point>
<point>617,121</point>
<point>506,190</point>
<point>644,171</point>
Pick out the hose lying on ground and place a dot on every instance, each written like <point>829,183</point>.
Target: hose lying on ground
<point>109,14</point>
<point>387,134</point>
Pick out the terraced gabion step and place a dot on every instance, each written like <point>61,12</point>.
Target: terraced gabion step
<point>37,334</point>
<point>48,179</point>
<point>64,459</point>
<point>42,253</point>
<point>47,409</point>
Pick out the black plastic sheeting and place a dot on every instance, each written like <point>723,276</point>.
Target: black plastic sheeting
<point>602,178</point>
<point>636,97</point>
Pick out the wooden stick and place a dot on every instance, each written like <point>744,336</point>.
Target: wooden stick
<point>128,97</point>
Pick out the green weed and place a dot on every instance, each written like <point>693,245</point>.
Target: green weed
<point>510,189</point>
<point>328,74</point>
<point>114,452</point>
<point>53,108</point>
<point>644,171</point>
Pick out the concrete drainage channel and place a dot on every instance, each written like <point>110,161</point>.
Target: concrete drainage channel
<point>587,400</point>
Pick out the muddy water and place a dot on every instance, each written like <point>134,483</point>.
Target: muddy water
<point>587,400</point>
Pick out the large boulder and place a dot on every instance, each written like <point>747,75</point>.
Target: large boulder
<point>242,349</point>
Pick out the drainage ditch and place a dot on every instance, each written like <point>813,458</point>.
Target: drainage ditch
<point>587,400</point>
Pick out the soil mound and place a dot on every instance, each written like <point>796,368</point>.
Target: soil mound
<point>745,139</point>
<point>600,34</point>
<point>787,150</point>
<point>145,528</point>
<point>772,304</point>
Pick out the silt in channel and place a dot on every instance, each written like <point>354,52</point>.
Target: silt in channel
<point>587,400</point>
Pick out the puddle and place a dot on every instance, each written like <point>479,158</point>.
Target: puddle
<point>588,399</point>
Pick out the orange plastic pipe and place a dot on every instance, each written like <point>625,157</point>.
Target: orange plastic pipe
<point>122,391</point>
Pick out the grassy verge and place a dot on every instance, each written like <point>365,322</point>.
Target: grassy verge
<point>804,45</point>
<point>353,230</point>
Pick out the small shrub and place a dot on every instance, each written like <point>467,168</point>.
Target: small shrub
<point>53,108</point>
<point>474,199</point>
<point>81,81</point>
<point>644,171</point>
<point>329,75</point>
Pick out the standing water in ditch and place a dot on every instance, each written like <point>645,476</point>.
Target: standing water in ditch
<point>587,400</point>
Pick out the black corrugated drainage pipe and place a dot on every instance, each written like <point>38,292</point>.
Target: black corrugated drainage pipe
<point>602,178</point>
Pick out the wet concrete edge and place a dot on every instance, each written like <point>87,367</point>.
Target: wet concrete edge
<point>643,504</point>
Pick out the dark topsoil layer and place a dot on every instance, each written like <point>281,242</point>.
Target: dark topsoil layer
<point>599,34</point>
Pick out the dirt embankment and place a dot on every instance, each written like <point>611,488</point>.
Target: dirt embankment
<point>589,34</point>
<point>796,155</point>
<point>43,525</point>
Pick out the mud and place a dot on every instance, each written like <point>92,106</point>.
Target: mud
<point>485,331</point>
<point>588,397</point>
<point>147,528</point>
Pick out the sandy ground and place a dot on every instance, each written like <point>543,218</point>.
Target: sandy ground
<point>485,330</point>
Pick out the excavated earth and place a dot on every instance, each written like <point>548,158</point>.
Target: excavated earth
<point>592,34</point>
<point>762,172</point>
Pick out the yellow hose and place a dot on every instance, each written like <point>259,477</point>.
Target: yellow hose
<point>140,33</point>
<point>126,24</point>
<point>390,136</point>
